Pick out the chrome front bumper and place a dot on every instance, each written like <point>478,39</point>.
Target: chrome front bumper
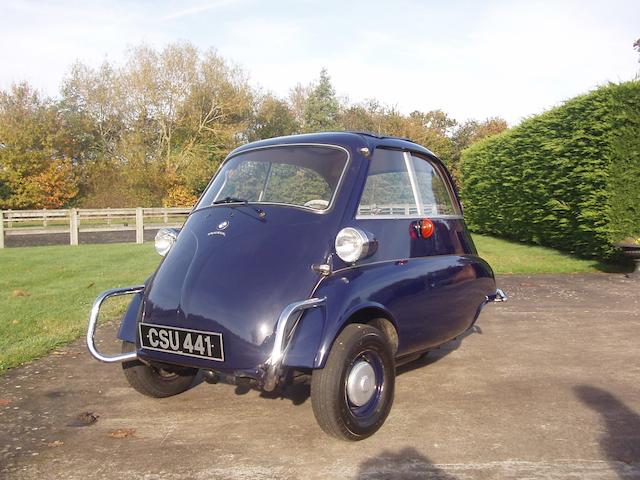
<point>285,327</point>
<point>93,323</point>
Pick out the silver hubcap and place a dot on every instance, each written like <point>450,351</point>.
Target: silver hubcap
<point>361,383</point>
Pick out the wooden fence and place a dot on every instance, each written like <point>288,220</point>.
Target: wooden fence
<point>75,221</point>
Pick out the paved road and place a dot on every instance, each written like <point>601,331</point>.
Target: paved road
<point>550,389</point>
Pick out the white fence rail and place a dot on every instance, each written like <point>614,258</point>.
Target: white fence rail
<point>75,221</point>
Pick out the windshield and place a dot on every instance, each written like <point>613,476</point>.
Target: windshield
<point>299,175</point>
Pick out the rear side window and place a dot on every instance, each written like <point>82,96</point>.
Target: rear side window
<point>403,185</point>
<point>434,196</point>
<point>388,188</point>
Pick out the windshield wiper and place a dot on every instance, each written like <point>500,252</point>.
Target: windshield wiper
<point>231,200</point>
<point>261,213</point>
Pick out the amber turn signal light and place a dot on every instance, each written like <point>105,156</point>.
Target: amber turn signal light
<point>426,228</point>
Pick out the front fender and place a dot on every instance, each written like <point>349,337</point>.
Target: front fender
<point>347,294</point>
<point>317,328</point>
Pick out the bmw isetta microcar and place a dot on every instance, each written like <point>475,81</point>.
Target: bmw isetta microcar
<point>335,255</point>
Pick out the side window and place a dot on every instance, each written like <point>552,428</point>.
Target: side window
<point>387,190</point>
<point>399,184</point>
<point>435,196</point>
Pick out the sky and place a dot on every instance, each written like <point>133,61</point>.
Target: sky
<point>471,59</point>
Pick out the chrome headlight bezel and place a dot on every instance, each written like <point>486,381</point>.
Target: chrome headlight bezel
<point>165,239</point>
<point>353,244</point>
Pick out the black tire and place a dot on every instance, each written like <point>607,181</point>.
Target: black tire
<point>155,382</point>
<point>332,407</point>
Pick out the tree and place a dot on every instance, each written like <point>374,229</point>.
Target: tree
<point>153,130</point>
<point>28,126</point>
<point>179,196</point>
<point>54,187</point>
<point>170,113</point>
<point>363,117</point>
<point>298,100</point>
<point>273,118</point>
<point>470,132</point>
<point>322,107</point>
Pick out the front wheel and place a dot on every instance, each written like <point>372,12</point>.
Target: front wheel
<point>156,382</point>
<point>352,395</point>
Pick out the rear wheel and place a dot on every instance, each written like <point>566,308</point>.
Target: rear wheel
<point>156,382</point>
<point>352,395</point>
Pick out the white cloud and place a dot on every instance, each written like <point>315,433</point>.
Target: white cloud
<point>185,12</point>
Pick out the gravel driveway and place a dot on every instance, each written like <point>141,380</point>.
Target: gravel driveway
<point>549,389</point>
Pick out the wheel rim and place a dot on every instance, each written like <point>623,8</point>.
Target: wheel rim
<point>364,384</point>
<point>361,383</point>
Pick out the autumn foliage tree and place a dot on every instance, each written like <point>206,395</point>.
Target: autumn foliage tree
<point>164,117</point>
<point>34,172</point>
<point>55,186</point>
<point>273,118</point>
<point>153,130</point>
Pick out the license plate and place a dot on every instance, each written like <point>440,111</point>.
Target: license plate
<point>182,341</point>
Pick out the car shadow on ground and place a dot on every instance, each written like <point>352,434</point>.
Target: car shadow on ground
<point>404,464</point>
<point>432,356</point>
<point>298,391</point>
<point>621,440</point>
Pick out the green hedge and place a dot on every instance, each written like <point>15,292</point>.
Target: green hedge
<point>568,178</point>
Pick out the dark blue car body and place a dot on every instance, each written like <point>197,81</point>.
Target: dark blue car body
<point>337,256</point>
<point>238,284</point>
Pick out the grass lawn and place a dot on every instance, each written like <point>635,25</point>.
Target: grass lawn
<point>46,292</point>
<point>513,257</point>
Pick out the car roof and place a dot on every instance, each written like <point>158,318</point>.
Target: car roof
<point>353,140</point>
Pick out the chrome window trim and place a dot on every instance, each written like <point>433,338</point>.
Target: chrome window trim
<point>283,145</point>
<point>417,197</point>
<point>408,217</point>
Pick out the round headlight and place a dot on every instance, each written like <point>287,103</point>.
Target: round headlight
<point>352,244</point>
<point>165,238</point>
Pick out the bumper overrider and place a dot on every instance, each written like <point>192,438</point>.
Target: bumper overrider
<point>498,296</point>
<point>270,371</point>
